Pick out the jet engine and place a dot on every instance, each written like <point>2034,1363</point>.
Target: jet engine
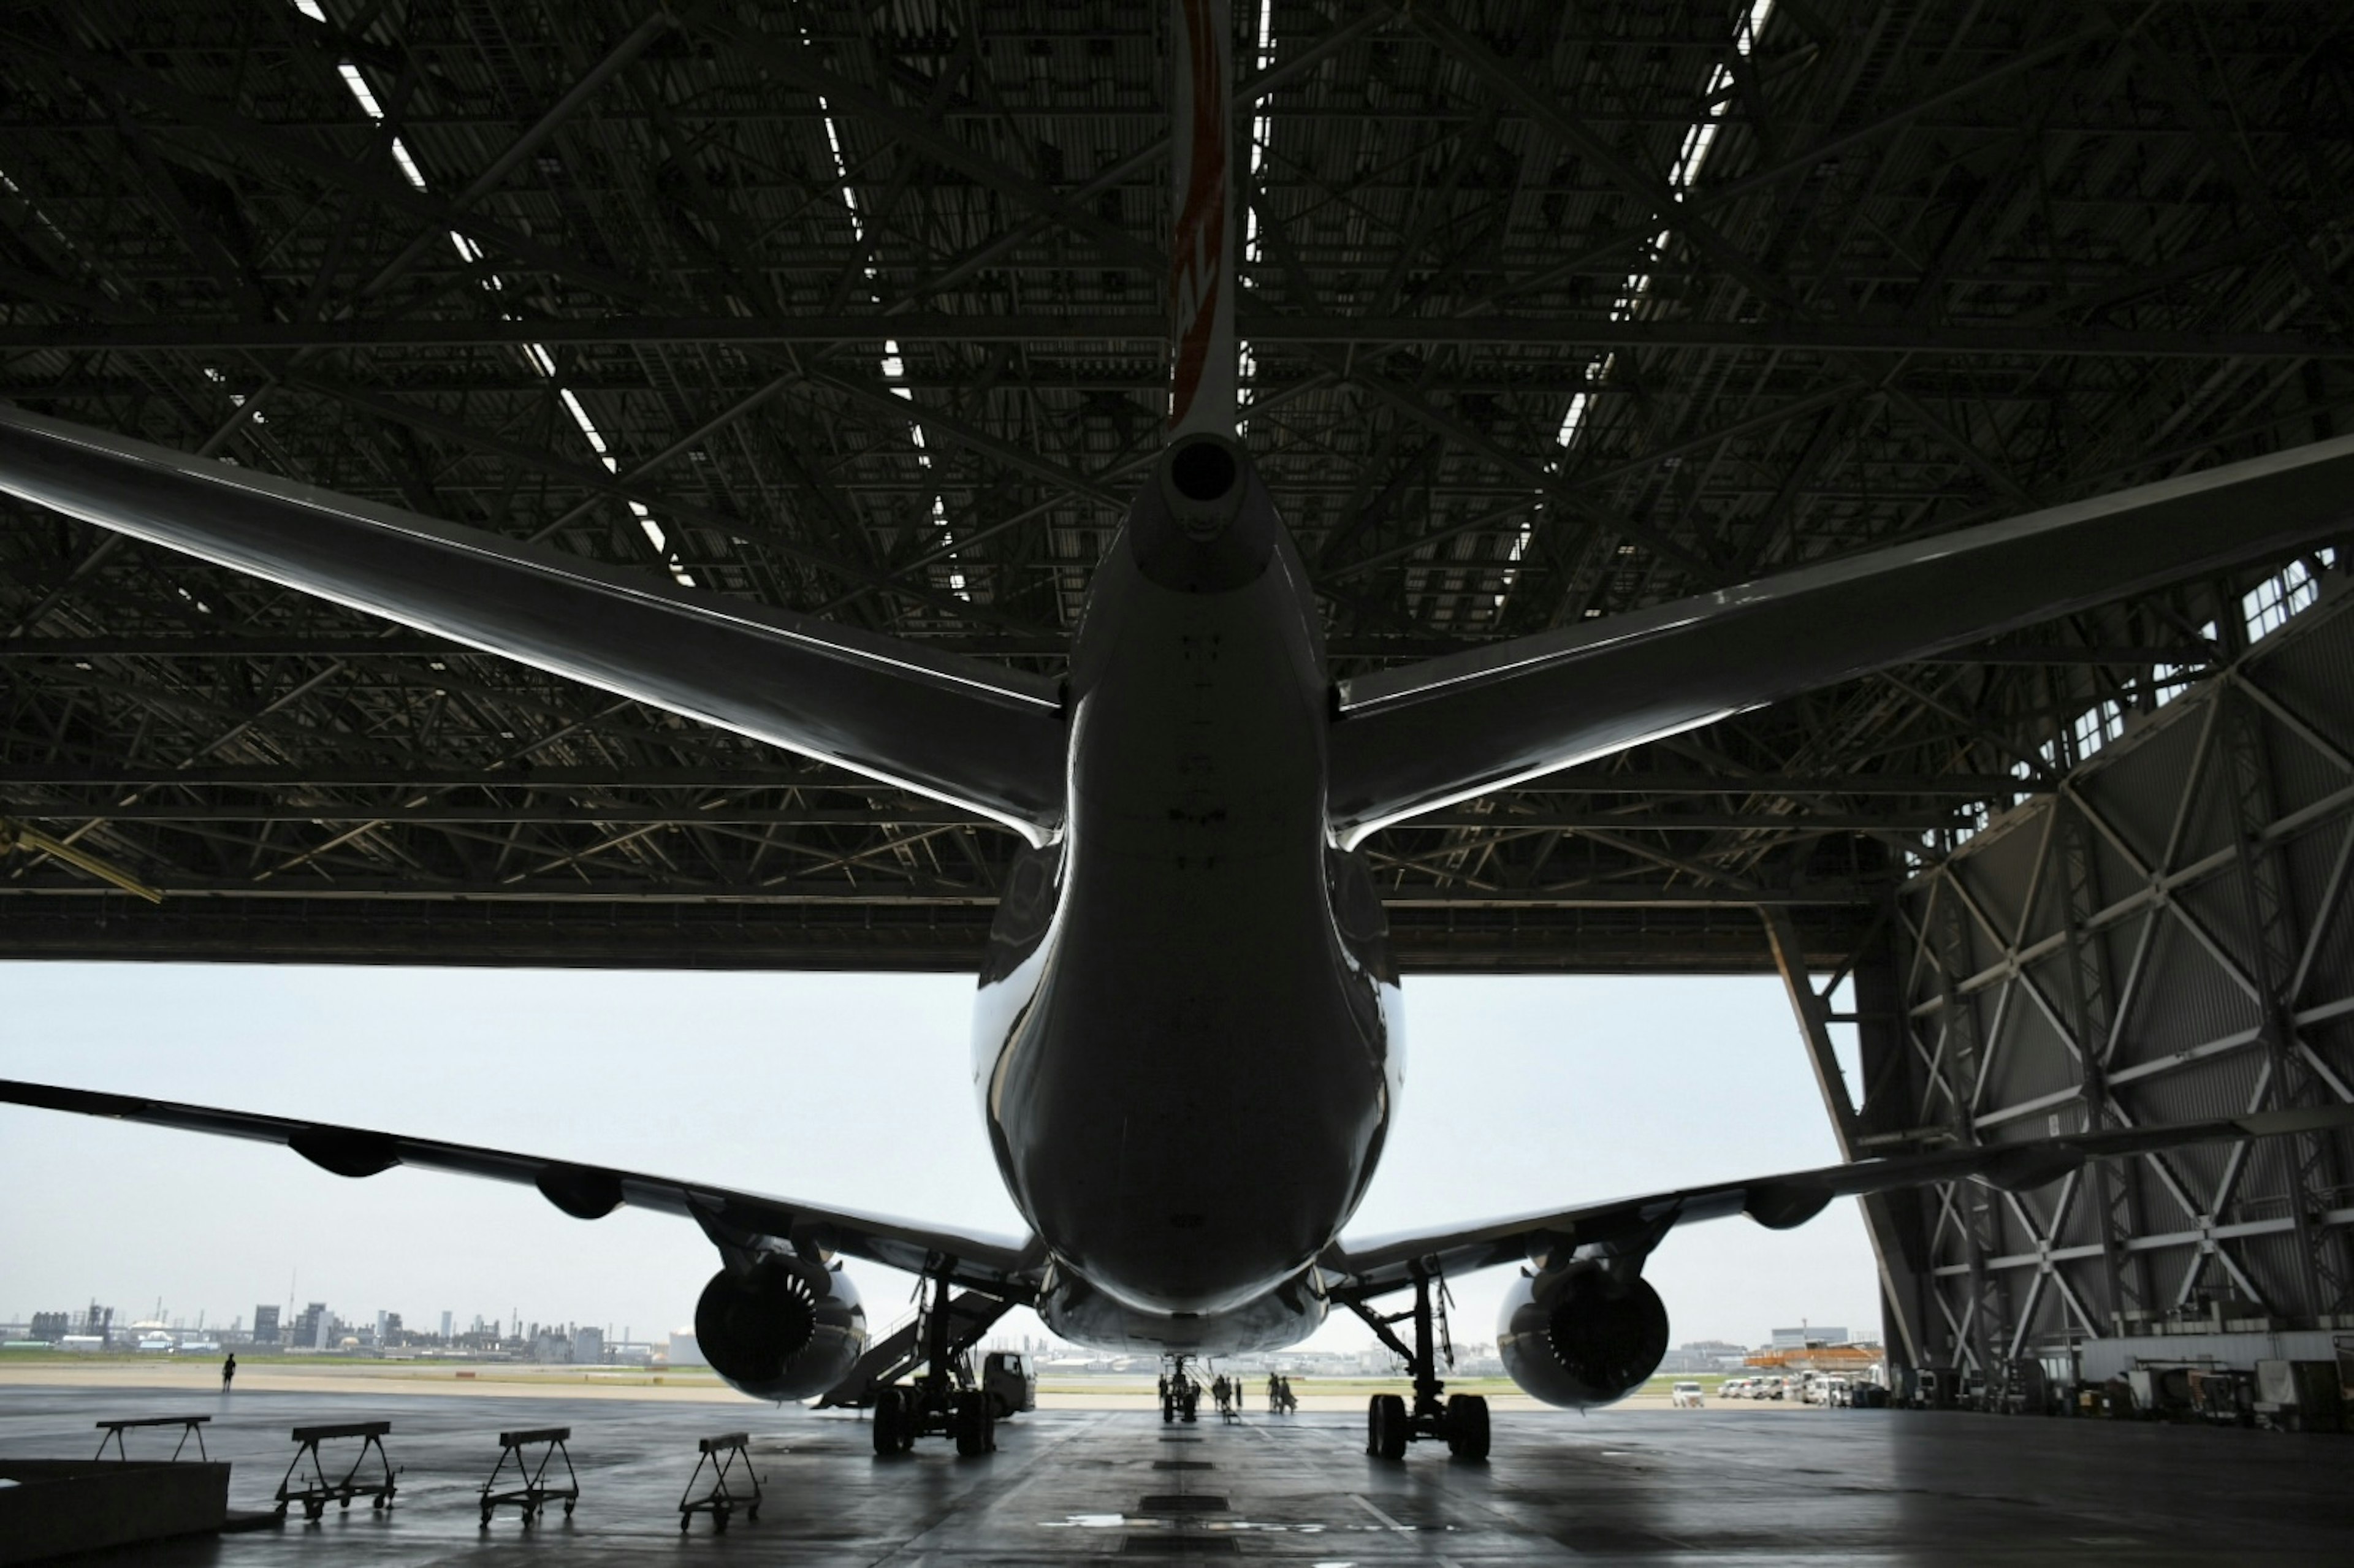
<point>1575,1337</point>
<point>784,1329</point>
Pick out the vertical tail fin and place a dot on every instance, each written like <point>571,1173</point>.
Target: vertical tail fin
<point>1202,389</point>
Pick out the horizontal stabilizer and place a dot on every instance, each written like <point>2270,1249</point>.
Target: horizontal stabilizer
<point>1424,736</point>
<point>985,737</point>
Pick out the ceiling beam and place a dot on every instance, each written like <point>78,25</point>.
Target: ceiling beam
<point>1147,335</point>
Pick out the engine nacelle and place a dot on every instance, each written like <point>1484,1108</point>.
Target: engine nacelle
<point>786,1329</point>
<point>1576,1337</point>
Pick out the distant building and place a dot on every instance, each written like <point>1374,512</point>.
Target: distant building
<point>1702,1356</point>
<point>51,1326</point>
<point>265,1325</point>
<point>588,1347</point>
<point>445,1327</point>
<point>314,1328</point>
<point>683,1351</point>
<point>1799,1338</point>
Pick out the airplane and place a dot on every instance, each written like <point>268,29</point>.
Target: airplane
<point>1187,1041</point>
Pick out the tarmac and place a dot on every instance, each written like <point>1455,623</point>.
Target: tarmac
<point>1726,1484</point>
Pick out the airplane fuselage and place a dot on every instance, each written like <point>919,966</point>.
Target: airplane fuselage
<point>1185,1038</point>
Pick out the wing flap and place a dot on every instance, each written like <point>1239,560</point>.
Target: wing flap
<point>1428,735</point>
<point>979,736</point>
<point>1635,1224</point>
<point>584,1192</point>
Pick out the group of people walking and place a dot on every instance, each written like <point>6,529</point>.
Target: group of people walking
<point>1227,1394</point>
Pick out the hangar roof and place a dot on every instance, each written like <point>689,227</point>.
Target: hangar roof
<point>1552,311</point>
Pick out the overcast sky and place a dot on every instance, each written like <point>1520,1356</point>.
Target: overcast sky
<point>847,1089</point>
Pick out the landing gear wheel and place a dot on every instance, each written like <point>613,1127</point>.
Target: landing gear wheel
<point>1168,1409</point>
<point>971,1425</point>
<point>890,1416</point>
<point>1467,1426</point>
<point>719,1521</point>
<point>1389,1429</point>
<point>1191,1405</point>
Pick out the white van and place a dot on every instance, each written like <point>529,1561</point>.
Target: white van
<point>1685,1396</point>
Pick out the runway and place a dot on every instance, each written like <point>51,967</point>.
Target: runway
<point>1721,1485</point>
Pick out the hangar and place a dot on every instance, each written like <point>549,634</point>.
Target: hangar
<point>1551,312</point>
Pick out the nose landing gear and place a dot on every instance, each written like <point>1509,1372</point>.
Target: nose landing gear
<point>1181,1397</point>
<point>1461,1421</point>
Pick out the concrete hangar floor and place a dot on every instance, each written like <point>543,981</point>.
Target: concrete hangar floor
<point>1753,1487</point>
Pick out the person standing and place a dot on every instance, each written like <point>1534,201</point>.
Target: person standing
<point>228,1371</point>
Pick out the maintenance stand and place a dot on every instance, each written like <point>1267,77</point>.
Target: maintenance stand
<point>720,1454</point>
<point>315,1498</point>
<point>534,1494</point>
<point>189,1425</point>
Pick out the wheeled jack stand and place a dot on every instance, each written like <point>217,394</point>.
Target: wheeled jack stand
<point>944,1402</point>
<point>1460,1421</point>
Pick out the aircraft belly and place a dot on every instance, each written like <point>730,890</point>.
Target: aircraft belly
<point>1193,1072</point>
<point>1267,1322</point>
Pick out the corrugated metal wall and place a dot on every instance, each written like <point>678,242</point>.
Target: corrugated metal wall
<point>2164,939</point>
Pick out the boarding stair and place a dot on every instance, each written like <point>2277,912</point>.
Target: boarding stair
<point>971,1314</point>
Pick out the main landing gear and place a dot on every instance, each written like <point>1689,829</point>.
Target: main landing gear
<point>1461,1421</point>
<point>1181,1397</point>
<point>944,1402</point>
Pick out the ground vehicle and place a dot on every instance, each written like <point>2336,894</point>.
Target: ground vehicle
<point>1685,1396</point>
<point>1010,1380</point>
<point>1734,1388</point>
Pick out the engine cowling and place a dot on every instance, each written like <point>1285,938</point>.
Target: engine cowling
<point>785,1328</point>
<point>1576,1337</point>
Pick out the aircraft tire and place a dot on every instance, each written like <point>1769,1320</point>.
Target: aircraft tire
<point>1390,1432</point>
<point>1467,1426</point>
<point>889,1417</point>
<point>971,1425</point>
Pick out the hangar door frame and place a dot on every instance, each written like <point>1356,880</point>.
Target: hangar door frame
<point>2165,939</point>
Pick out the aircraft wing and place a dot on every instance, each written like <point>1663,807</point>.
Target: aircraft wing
<point>1005,1264</point>
<point>985,737</point>
<point>1426,736</point>
<point>1632,1226</point>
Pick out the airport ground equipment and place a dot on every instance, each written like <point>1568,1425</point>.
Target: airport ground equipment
<point>972,1313</point>
<point>189,1425</point>
<point>721,1455</point>
<point>533,1494</point>
<point>315,1497</point>
<point>945,1402</point>
<point>1181,1397</point>
<point>1460,1421</point>
<point>1010,1381</point>
<point>2299,1396</point>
